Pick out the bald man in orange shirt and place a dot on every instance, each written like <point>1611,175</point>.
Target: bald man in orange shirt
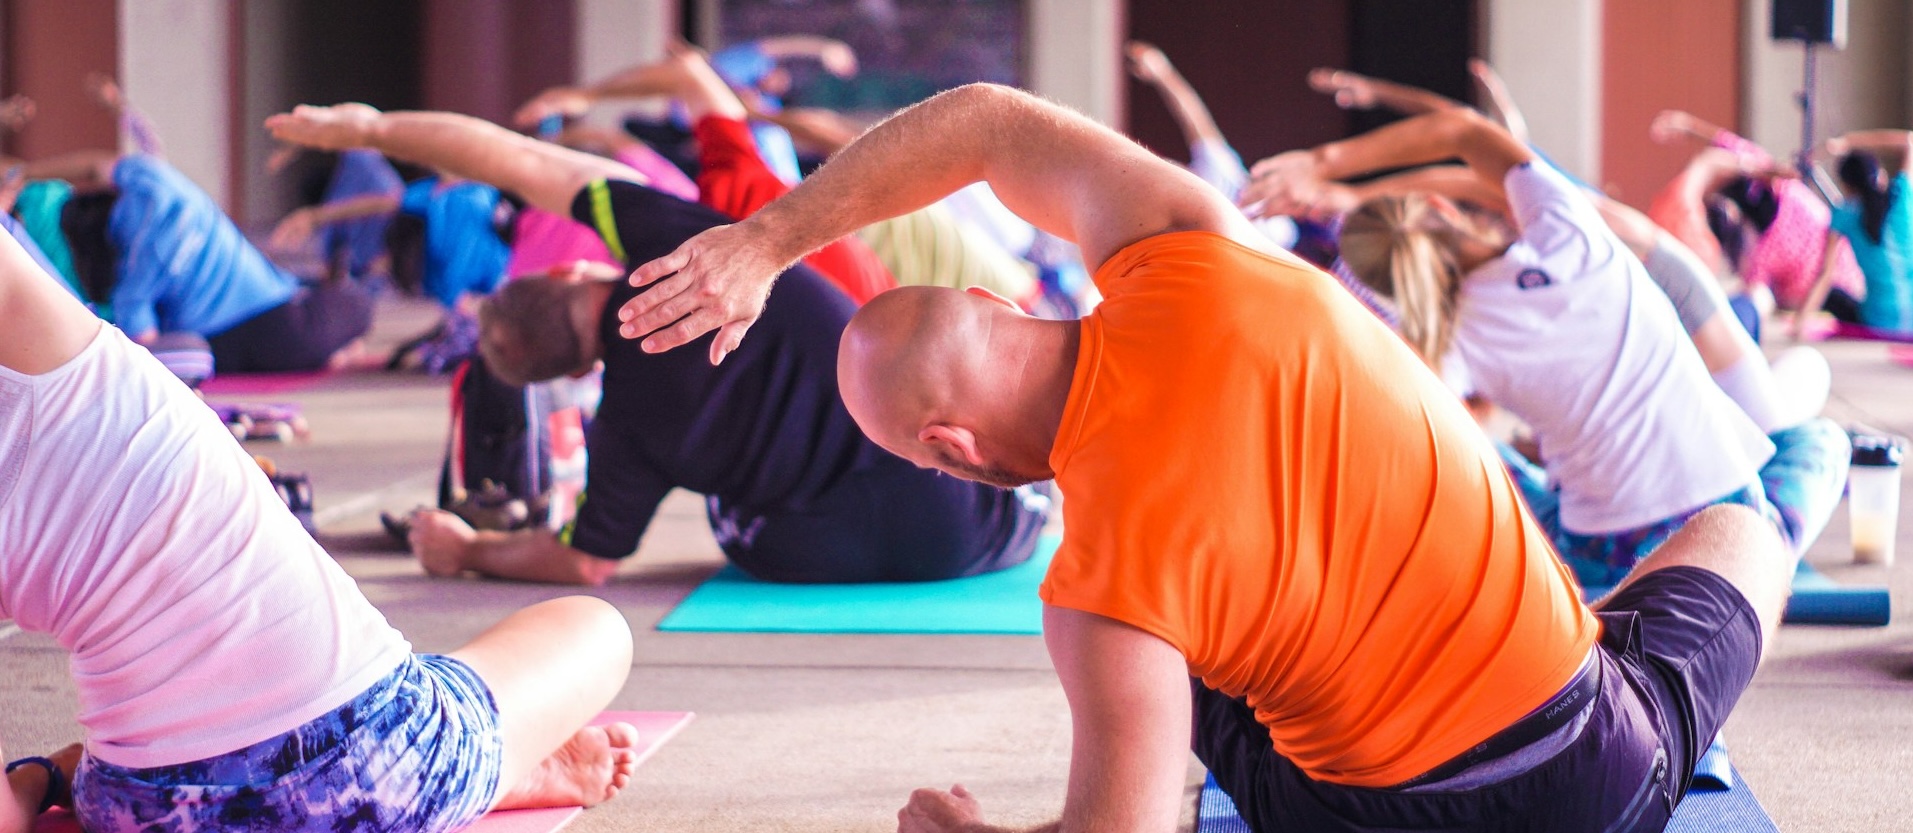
<point>1277,519</point>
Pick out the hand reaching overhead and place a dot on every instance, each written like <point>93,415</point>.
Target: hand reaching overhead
<point>338,127</point>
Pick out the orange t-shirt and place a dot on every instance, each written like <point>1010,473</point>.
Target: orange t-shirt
<point>1260,473</point>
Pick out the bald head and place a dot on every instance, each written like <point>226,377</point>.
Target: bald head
<point>958,381</point>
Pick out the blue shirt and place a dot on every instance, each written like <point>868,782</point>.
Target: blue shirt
<point>183,265</point>
<point>463,252</point>
<point>360,172</point>
<point>1888,263</point>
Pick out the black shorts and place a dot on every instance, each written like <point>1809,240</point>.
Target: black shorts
<point>300,334</point>
<point>1677,647</point>
<point>889,522</point>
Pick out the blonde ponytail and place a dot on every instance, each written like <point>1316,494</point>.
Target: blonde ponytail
<point>1404,250</point>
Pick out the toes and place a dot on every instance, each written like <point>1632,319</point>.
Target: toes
<point>621,735</point>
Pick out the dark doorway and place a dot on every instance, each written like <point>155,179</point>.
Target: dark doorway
<point>1424,44</point>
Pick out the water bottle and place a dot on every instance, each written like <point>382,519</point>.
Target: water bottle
<point>1873,498</point>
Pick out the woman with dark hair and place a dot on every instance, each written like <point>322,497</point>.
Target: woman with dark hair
<point>1783,240</point>
<point>1878,225</point>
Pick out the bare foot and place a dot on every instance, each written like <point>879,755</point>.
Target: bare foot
<point>589,769</point>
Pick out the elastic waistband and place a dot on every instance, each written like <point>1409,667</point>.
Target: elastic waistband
<point>1560,710</point>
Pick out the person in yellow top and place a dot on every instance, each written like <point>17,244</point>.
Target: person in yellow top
<point>1278,521</point>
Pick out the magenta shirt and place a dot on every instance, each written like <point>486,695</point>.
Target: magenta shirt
<point>1786,257</point>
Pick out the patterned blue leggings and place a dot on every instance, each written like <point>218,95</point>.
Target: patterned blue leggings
<point>1799,488</point>
<point>418,751</point>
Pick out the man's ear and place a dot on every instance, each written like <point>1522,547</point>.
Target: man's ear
<point>982,292</point>
<point>956,439</point>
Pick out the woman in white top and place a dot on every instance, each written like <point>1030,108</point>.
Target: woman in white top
<point>1560,323</point>
<point>227,668</point>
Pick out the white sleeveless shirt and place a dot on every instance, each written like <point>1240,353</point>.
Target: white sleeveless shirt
<point>200,616</point>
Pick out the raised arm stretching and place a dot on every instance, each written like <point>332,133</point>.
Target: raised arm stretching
<point>1893,147</point>
<point>1064,173</point>
<point>1489,151</point>
<point>544,174</point>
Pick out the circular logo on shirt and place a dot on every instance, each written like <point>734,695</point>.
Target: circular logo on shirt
<point>1532,279</point>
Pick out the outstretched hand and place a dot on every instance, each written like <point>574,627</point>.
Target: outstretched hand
<point>1351,90</point>
<point>338,127</point>
<point>1147,62</point>
<point>936,811</point>
<point>1292,183</point>
<point>717,280</point>
<point>554,101</point>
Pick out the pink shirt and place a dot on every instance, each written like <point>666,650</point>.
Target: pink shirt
<point>541,240</point>
<point>1787,256</point>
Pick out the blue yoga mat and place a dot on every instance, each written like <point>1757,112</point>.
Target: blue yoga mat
<point>1817,600</point>
<point>1718,811</point>
<point>1003,602</point>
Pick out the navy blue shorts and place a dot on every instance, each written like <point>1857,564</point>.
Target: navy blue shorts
<point>891,522</point>
<point>1677,647</point>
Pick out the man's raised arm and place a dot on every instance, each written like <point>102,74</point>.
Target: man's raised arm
<point>1061,171</point>
<point>544,174</point>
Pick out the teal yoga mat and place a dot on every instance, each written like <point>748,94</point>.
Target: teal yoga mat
<point>1003,602</point>
<point>1716,811</point>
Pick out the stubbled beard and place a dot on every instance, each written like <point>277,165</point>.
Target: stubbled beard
<point>989,475</point>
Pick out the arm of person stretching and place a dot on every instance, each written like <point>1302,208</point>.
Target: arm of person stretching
<point>1062,172</point>
<point>1489,151</point>
<point>1152,67</point>
<point>1894,147</point>
<point>300,224</point>
<point>544,174</point>
<point>1129,713</point>
<point>446,546</point>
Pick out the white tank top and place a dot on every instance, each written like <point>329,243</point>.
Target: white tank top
<point>200,616</point>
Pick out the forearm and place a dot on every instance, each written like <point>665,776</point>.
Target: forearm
<point>544,174</point>
<point>1409,100</point>
<point>1423,140</point>
<point>1191,114</point>
<point>1823,282</point>
<point>1451,181</point>
<point>367,205</point>
<point>1050,166</point>
<point>794,46</point>
<point>689,80</point>
<point>533,555</point>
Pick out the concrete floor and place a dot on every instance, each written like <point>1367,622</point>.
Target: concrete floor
<point>814,733</point>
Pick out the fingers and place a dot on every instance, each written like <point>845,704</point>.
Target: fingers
<point>661,267</point>
<point>683,332</point>
<point>728,338</point>
<point>958,791</point>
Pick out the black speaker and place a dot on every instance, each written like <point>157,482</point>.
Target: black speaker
<point>1811,21</point>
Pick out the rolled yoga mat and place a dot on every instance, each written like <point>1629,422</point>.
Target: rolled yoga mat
<point>1720,811</point>
<point>1002,602</point>
<point>654,728</point>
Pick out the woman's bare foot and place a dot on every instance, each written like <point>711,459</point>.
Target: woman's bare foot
<point>589,769</point>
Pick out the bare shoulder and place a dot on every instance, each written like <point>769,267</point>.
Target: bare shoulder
<point>46,326</point>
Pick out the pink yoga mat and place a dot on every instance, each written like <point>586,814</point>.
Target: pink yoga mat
<point>654,728</point>
<point>261,384</point>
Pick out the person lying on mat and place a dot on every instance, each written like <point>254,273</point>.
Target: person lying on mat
<point>225,664</point>
<point>1876,219</point>
<point>795,491</point>
<point>1264,489</point>
<point>151,245</point>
